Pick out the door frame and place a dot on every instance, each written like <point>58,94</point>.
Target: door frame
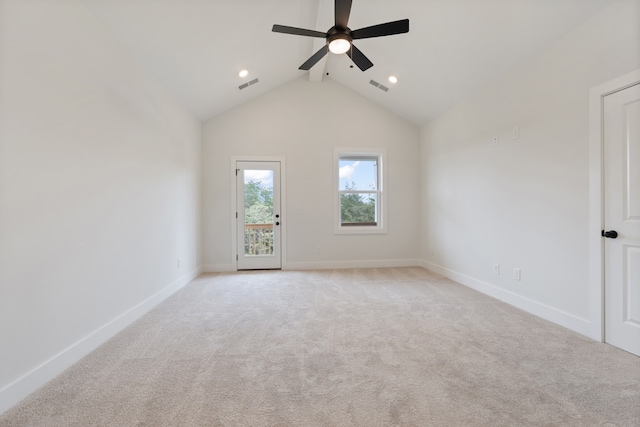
<point>596,197</point>
<point>283,204</point>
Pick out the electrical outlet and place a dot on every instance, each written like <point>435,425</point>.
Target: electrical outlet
<point>516,274</point>
<point>178,263</point>
<point>495,141</point>
<point>317,249</point>
<point>496,269</point>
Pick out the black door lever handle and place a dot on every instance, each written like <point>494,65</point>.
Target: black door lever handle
<point>610,234</point>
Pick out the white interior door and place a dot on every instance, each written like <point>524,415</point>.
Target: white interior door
<point>622,218</point>
<point>258,215</point>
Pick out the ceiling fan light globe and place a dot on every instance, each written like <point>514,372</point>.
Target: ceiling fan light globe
<point>339,46</point>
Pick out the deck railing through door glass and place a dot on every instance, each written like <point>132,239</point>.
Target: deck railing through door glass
<point>258,239</point>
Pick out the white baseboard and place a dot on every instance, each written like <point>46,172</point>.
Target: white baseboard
<point>325,265</point>
<point>559,317</point>
<point>16,391</point>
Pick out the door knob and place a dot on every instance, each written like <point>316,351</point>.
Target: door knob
<point>610,234</point>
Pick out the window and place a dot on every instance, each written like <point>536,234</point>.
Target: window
<point>359,190</point>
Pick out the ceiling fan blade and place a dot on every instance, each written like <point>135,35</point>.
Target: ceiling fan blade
<point>359,59</point>
<point>298,31</point>
<point>342,11</point>
<point>386,29</point>
<point>314,59</point>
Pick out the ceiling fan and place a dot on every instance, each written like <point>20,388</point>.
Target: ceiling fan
<point>340,36</point>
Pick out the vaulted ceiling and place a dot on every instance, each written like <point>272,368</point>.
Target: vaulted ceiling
<point>453,49</point>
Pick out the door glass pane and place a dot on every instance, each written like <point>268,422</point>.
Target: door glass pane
<point>258,212</point>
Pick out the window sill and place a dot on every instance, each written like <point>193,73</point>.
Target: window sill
<point>359,229</point>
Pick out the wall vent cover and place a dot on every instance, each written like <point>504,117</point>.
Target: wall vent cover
<point>379,86</point>
<point>246,85</point>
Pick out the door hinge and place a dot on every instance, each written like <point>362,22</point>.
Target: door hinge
<point>237,170</point>
<point>236,257</point>
<point>236,215</point>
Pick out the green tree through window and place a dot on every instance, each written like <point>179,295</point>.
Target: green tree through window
<point>359,181</point>
<point>357,209</point>
<point>358,174</point>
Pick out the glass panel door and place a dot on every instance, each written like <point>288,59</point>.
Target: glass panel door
<point>258,215</point>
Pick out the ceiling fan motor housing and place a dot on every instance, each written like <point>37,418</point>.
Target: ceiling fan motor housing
<point>335,32</point>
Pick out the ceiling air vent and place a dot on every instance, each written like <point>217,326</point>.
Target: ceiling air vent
<point>379,86</point>
<point>246,85</point>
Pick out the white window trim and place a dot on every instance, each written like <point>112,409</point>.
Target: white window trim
<point>381,227</point>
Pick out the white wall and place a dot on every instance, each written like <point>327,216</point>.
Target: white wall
<point>99,191</point>
<point>525,203</point>
<point>303,122</point>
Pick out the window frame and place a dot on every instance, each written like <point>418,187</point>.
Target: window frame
<point>380,155</point>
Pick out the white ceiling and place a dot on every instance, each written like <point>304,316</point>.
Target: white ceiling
<point>454,47</point>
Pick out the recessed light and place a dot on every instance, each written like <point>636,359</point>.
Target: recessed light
<point>243,73</point>
<point>393,79</point>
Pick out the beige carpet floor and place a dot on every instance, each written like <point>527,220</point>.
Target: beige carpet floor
<point>375,347</point>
